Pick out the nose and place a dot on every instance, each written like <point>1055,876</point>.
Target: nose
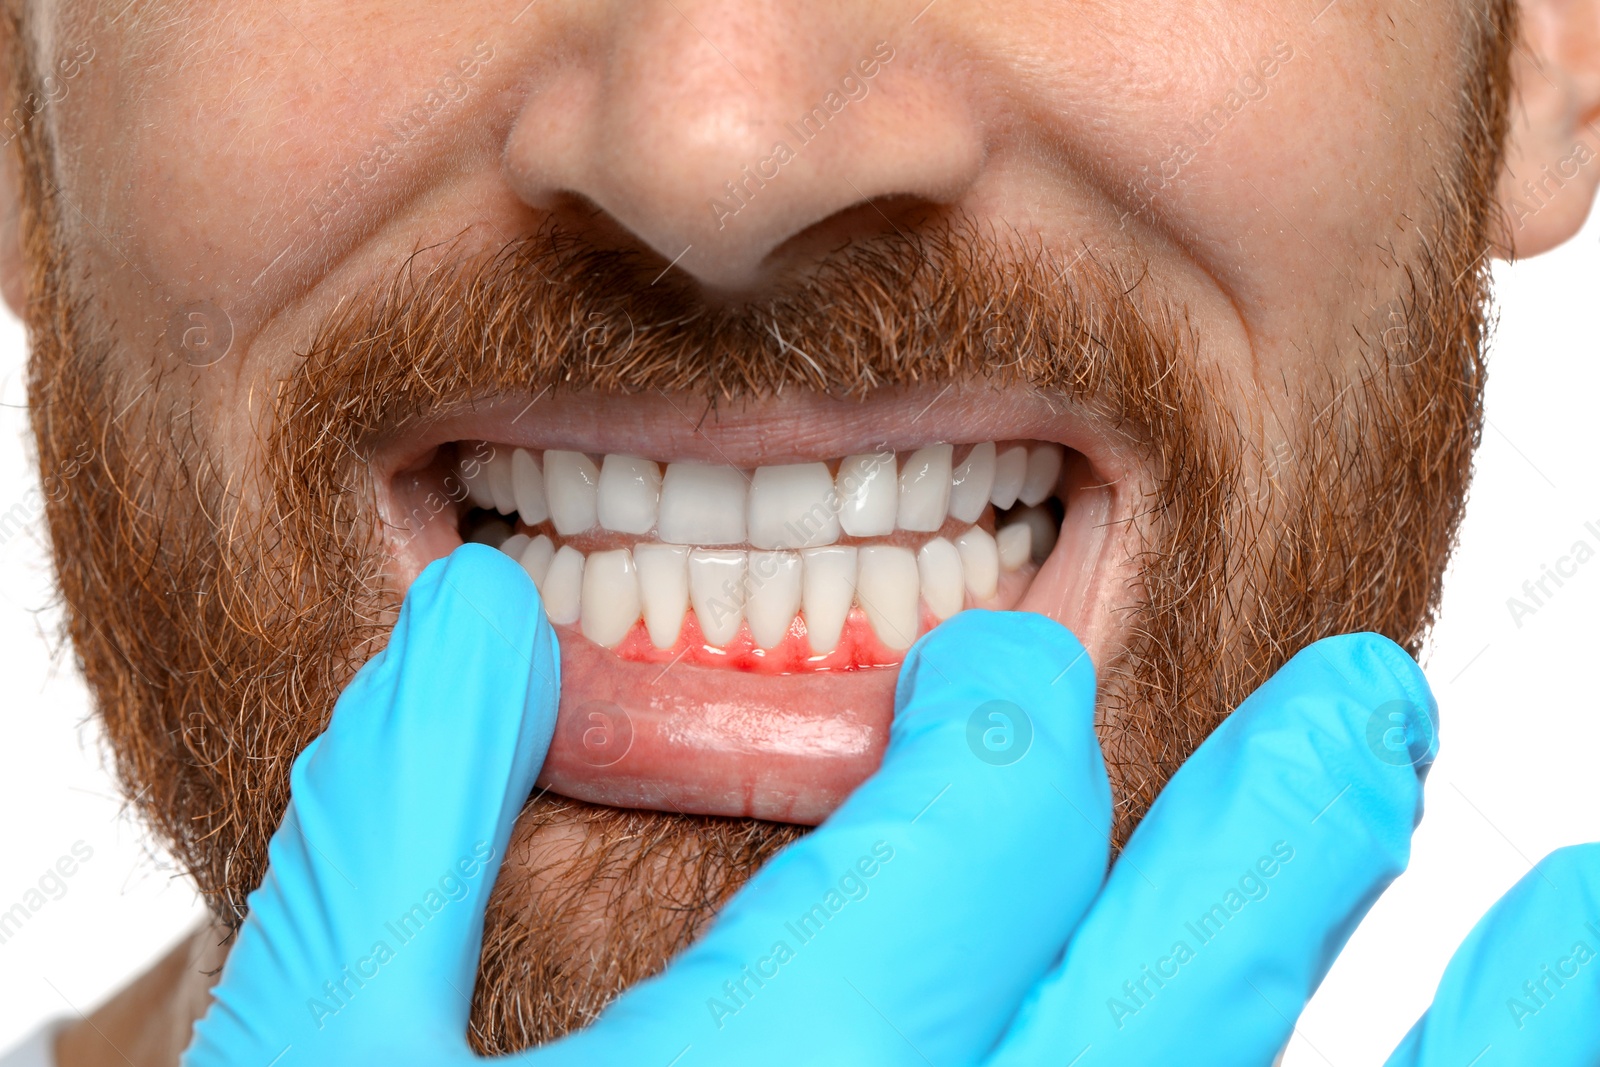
<point>731,137</point>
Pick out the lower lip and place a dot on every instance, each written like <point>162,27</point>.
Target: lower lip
<point>714,741</point>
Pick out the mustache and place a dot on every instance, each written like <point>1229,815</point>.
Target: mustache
<point>551,311</point>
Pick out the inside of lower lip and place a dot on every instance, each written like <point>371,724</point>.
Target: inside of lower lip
<point>830,565</point>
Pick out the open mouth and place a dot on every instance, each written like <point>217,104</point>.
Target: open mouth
<point>732,610</point>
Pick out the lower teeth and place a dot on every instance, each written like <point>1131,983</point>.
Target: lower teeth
<point>608,591</point>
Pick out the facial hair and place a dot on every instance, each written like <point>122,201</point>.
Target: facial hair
<point>216,615</point>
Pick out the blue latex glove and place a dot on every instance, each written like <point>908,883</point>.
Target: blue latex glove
<point>1525,985</point>
<point>959,908</point>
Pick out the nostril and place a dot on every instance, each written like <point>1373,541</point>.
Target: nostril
<point>879,217</point>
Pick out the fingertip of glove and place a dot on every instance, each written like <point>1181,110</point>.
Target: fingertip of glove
<point>478,575</point>
<point>1013,651</point>
<point>1389,706</point>
<point>479,590</point>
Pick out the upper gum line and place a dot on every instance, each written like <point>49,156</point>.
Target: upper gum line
<point>900,525</point>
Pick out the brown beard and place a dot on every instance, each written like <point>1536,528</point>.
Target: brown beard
<point>216,618</point>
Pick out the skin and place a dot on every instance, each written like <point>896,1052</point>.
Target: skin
<point>624,121</point>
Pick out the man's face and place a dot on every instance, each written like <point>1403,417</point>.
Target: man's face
<point>1161,319</point>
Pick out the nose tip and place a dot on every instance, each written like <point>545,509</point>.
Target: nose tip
<point>720,150</point>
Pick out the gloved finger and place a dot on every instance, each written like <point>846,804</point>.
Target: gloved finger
<point>908,926</point>
<point>402,808</point>
<point>1524,987</point>
<point>1248,874</point>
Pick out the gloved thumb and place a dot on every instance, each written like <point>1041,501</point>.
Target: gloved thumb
<point>401,812</point>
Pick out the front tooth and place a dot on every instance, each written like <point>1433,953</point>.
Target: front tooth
<point>980,562</point>
<point>1010,469</point>
<point>1043,471</point>
<point>868,495</point>
<point>536,558</point>
<point>1042,530</point>
<point>716,589</point>
<point>527,487</point>
<point>791,506</point>
<point>774,598</point>
<point>630,489</point>
<point>497,475</point>
<point>570,481</point>
<point>664,589</point>
<point>939,568</point>
<point>1015,545</point>
<point>886,587</point>
<point>702,504</point>
<point>925,489</point>
<point>610,597</point>
<point>828,587</point>
<point>972,483</point>
<point>563,586</point>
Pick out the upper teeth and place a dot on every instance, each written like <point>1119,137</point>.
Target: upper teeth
<point>790,517</point>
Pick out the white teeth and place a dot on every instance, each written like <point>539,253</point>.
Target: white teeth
<point>980,563</point>
<point>792,506</point>
<point>563,586</point>
<point>629,490</point>
<point>610,596</point>
<point>514,545</point>
<point>478,491</point>
<point>536,556</point>
<point>664,590</point>
<point>972,483</point>
<point>716,589</point>
<point>1042,530</point>
<point>790,515</point>
<point>1043,471</point>
<point>527,488</point>
<point>829,585</point>
<point>925,489</point>
<point>886,587</point>
<point>1015,545</point>
<point>868,495</point>
<point>1010,470</point>
<point>939,568</point>
<point>570,481</point>
<point>774,598</point>
<point>702,505</point>
<point>498,477</point>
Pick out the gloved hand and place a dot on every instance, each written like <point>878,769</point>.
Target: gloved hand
<point>1524,987</point>
<point>955,910</point>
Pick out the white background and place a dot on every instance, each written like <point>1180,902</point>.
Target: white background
<point>1521,733</point>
